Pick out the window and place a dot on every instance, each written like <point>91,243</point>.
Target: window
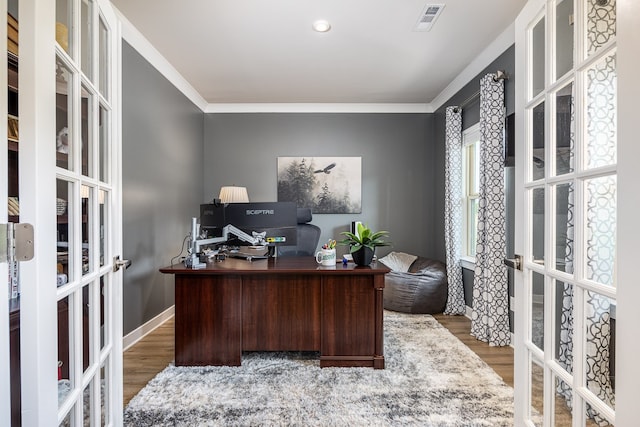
<point>470,182</point>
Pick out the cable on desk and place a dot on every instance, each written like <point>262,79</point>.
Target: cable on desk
<point>181,249</point>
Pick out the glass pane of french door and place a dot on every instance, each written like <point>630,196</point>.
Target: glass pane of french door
<point>84,213</point>
<point>570,184</point>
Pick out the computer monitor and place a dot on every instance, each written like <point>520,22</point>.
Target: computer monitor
<point>212,219</point>
<point>277,219</point>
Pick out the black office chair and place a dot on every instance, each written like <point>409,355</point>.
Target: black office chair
<point>308,236</point>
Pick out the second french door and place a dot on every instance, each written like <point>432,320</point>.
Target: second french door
<point>566,211</point>
<point>69,189</point>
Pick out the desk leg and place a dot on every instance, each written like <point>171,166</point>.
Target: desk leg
<point>208,320</point>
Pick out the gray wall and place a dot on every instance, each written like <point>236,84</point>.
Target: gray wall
<point>398,166</point>
<point>162,143</point>
<point>470,116</point>
<point>12,8</point>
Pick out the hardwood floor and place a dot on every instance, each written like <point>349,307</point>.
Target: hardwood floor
<point>155,351</point>
<point>142,361</point>
<point>499,358</point>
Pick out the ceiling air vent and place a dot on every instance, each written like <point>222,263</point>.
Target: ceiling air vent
<point>428,17</point>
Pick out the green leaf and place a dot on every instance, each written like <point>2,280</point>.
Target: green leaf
<point>364,237</point>
<point>355,248</point>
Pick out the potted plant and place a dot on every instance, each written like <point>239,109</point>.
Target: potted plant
<point>363,243</point>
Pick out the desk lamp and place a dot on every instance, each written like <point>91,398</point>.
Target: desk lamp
<point>233,194</point>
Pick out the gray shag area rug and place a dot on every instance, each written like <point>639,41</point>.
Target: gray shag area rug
<point>431,379</point>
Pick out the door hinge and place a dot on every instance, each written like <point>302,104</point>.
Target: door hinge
<point>16,242</point>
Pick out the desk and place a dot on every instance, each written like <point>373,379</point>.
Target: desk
<point>279,304</point>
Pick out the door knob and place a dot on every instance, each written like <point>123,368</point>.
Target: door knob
<point>120,263</point>
<point>515,263</point>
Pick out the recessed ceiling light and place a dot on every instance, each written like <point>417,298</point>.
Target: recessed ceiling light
<point>321,26</point>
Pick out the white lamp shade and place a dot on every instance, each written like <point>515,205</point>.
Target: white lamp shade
<point>85,192</point>
<point>232,194</point>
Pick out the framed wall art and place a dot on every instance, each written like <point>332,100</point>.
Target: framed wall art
<point>327,185</point>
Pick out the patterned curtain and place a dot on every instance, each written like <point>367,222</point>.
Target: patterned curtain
<point>565,192</point>
<point>490,317</point>
<point>453,210</point>
<point>600,220</point>
<point>601,209</point>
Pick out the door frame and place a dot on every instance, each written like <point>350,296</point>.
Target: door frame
<point>628,237</point>
<point>38,310</point>
<point>117,237</point>
<point>521,369</point>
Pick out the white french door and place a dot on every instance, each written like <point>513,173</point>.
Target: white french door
<point>566,212</point>
<point>69,190</point>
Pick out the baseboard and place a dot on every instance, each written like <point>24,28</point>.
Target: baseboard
<point>468,311</point>
<point>137,334</point>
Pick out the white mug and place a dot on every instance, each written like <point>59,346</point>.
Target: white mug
<point>326,257</point>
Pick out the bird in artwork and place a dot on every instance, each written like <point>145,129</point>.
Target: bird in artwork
<point>326,170</point>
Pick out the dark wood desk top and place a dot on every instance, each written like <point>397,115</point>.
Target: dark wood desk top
<point>283,265</point>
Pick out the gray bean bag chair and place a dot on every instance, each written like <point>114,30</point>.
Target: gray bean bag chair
<point>421,289</point>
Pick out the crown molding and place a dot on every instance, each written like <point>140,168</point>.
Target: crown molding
<point>317,108</point>
<point>144,47</point>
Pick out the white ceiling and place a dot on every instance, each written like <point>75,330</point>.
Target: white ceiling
<point>259,51</point>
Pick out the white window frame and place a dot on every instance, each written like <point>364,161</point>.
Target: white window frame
<point>470,136</point>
